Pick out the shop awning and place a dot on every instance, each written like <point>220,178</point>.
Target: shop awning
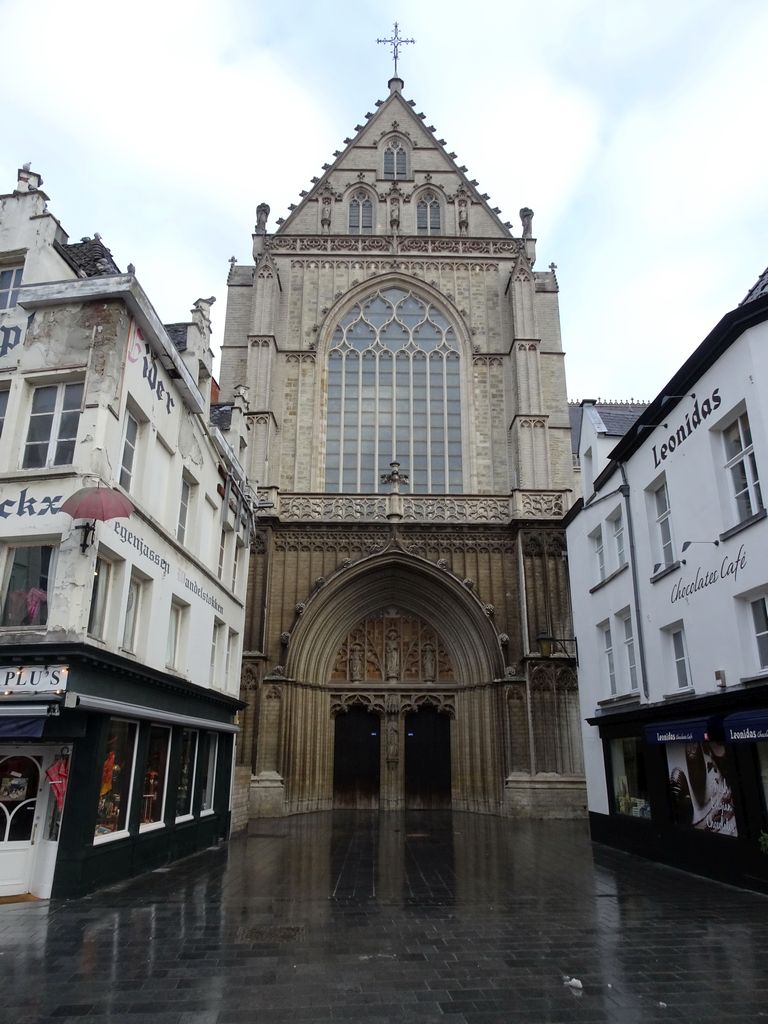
<point>691,730</point>
<point>746,726</point>
<point>23,723</point>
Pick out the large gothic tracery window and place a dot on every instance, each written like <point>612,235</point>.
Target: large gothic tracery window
<point>394,396</point>
<point>360,214</point>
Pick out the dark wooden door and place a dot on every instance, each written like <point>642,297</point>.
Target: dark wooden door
<point>427,759</point>
<point>356,759</point>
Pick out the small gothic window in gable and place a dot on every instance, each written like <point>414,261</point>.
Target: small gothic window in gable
<point>360,214</point>
<point>428,214</point>
<point>395,161</point>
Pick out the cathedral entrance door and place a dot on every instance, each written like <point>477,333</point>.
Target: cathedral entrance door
<point>427,759</point>
<point>356,759</point>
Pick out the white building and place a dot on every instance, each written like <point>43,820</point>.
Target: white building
<point>669,579</point>
<point>120,640</point>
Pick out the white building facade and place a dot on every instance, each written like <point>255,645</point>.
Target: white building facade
<point>120,640</point>
<point>669,580</point>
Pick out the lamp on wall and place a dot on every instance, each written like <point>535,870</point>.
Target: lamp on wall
<point>97,504</point>
<point>687,543</point>
<point>549,645</point>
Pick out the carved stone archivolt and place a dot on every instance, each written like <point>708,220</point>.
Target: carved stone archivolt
<point>392,647</point>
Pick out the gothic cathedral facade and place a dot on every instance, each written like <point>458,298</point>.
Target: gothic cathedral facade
<point>408,637</point>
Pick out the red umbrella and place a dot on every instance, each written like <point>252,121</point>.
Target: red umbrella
<point>96,503</point>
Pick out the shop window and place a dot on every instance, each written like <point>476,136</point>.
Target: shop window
<point>762,754</point>
<point>130,441</point>
<point>760,621</point>
<point>209,749</point>
<point>53,423</point>
<point>630,787</point>
<point>27,586</point>
<point>155,777</point>
<point>116,779</point>
<point>187,761</point>
<point>742,468</point>
<point>699,779</point>
<point>98,612</point>
<point>10,282</point>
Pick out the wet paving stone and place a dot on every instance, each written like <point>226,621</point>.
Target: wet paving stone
<point>414,917</point>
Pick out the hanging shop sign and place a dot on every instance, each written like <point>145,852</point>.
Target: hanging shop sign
<point>32,679</point>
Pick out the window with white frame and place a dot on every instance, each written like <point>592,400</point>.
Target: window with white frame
<point>395,160</point>
<point>597,543</point>
<point>663,514</point>
<point>760,622</point>
<point>184,510</point>
<point>3,408</point>
<point>152,810</point>
<point>232,640</point>
<point>27,584</point>
<point>680,655</point>
<point>742,468</point>
<point>209,748</point>
<point>97,614</point>
<point>629,651</point>
<point>394,395</point>
<point>222,553</point>
<point>130,441</point>
<point>617,526</point>
<point>175,626</point>
<point>216,632</point>
<point>428,214</point>
<point>236,564</point>
<point>610,665</point>
<point>360,213</point>
<point>136,589</point>
<point>53,423</point>
<point>10,282</point>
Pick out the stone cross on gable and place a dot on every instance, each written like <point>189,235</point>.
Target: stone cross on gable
<point>394,478</point>
<point>396,42</point>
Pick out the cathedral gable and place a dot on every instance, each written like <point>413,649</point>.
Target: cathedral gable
<point>394,177</point>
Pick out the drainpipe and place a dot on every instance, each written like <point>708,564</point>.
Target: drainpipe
<point>624,490</point>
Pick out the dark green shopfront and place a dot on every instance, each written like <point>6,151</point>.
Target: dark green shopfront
<point>107,769</point>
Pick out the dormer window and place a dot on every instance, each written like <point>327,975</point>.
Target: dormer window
<point>395,161</point>
<point>428,214</point>
<point>360,214</point>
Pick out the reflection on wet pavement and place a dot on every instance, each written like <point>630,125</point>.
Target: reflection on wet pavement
<point>362,917</point>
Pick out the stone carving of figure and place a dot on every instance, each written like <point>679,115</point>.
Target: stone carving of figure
<point>325,215</point>
<point>463,217</point>
<point>356,663</point>
<point>393,745</point>
<point>262,212</point>
<point>428,664</point>
<point>526,216</point>
<point>392,658</point>
<point>394,214</point>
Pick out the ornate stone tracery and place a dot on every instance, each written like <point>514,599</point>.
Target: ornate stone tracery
<point>392,647</point>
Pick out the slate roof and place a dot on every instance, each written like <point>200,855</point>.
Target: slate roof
<point>90,257</point>
<point>618,417</point>
<point>760,287</point>
<point>221,416</point>
<point>178,335</point>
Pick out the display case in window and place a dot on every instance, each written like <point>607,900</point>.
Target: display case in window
<point>188,757</point>
<point>116,777</point>
<point>630,788</point>
<point>155,776</point>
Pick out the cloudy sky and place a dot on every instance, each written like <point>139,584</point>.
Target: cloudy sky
<point>635,130</point>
